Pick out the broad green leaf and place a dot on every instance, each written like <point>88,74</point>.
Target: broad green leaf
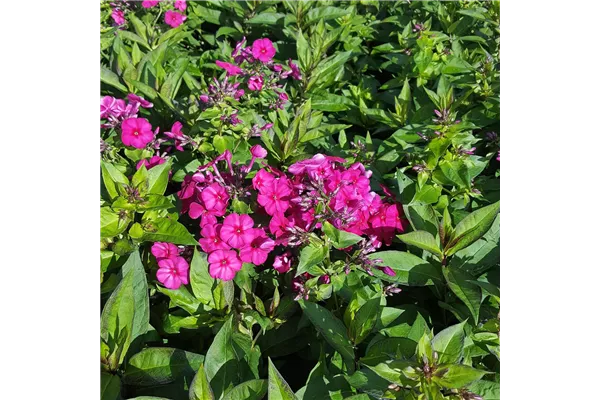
<point>469,293</point>
<point>278,387</point>
<point>116,322</point>
<point>482,254</point>
<point>472,228</point>
<point>455,376</point>
<point>167,230</point>
<point>266,18</point>
<point>111,224</point>
<point>113,179</point>
<point>327,70</point>
<point>139,284</point>
<point>340,239</point>
<point>200,388</point>
<point>110,386</point>
<point>423,240</point>
<point>392,370</point>
<point>428,194</point>
<point>158,178</point>
<point>332,329</point>
<point>169,88</point>
<point>324,13</point>
<point>410,269</point>
<point>486,389</point>
<point>394,347</point>
<point>449,343</point>
<point>422,217</point>
<point>364,320</point>
<point>254,389</point>
<point>181,297</point>
<point>310,256</point>
<point>112,79</point>
<point>207,289</point>
<point>160,365</point>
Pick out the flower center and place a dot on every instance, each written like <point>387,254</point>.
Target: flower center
<point>238,230</point>
<point>223,262</point>
<point>135,133</point>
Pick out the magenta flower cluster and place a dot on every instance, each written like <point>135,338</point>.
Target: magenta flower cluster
<point>173,270</point>
<point>172,18</point>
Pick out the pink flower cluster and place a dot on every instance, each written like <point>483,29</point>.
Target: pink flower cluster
<point>114,111</point>
<point>256,65</point>
<point>350,205</point>
<point>172,18</point>
<point>173,270</point>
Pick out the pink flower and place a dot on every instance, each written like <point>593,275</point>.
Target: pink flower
<point>177,135</point>
<point>310,164</point>
<point>262,179</point>
<point>255,83</point>
<point>208,217</point>
<point>283,96</point>
<point>211,240</point>
<point>134,98</point>
<point>149,3</point>
<point>108,106</point>
<point>387,271</point>
<point>153,162</point>
<point>237,230</point>
<point>118,17</point>
<point>136,132</point>
<point>231,69</point>
<point>180,5</point>
<point>295,70</point>
<point>283,263</point>
<point>263,50</point>
<point>274,197</point>
<point>279,224</point>
<point>162,250</point>
<point>204,98</point>
<point>215,197</point>
<point>173,272</point>
<point>223,264</point>
<point>257,251</point>
<point>258,151</point>
<point>174,19</point>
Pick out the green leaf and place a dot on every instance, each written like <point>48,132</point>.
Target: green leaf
<point>181,297</point>
<point>422,217</point>
<point>278,387</point>
<point>113,179</point>
<point>303,51</point>
<point>410,269</point>
<point>139,284</point>
<point>324,14</point>
<point>266,18</point>
<point>469,293</point>
<point>455,376</point>
<point>158,178</point>
<point>110,386</point>
<point>169,88</point>
<point>472,228</point>
<point>116,322</point>
<point>200,388</point>
<point>112,79</point>
<point>168,230</point>
<point>423,240</point>
<point>223,366</point>
<point>428,194</point>
<point>364,320</point>
<point>327,70</point>
<point>391,371</point>
<point>310,256</point>
<point>481,255</point>
<point>160,365</point>
<point>133,37</point>
<point>207,289</point>
<point>456,65</point>
<point>332,329</point>
<point>254,389</point>
<point>110,223</point>
<point>393,347</point>
<point>340,239</point>
<point>449,343</point>
<point>487,389</point>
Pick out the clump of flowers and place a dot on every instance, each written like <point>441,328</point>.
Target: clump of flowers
<point>114,111</point>
<point>173,270</point>
<point>290,209</point>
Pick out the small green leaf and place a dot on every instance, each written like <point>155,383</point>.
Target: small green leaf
<point>340,239</point>
<point>364,320</point>
<point>410,269</point>
<point>455,376</point>
<point>460,284</point>
<point>423,240</point>
<point>310,256</point>
<point>112,79</point>
<point>160,365</point>
<point>200,389</point>
<point>168,230</point>
<point>472,228</point>
<point>449,343</point>
<point>278,387</point>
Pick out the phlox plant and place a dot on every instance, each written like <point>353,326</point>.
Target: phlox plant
<point>299,200</point>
